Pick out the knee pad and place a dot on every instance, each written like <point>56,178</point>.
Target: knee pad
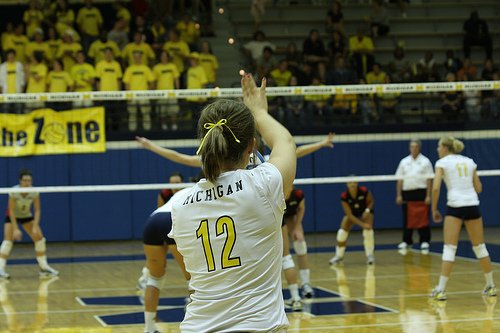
<point>449,252</point>
<point>40,245</point>
<point>287,262</point>
<point>6,247</point>
<point>480,251</point>
<point>368,233</point>
<point>300,247</point>
<point>342,235</point>
<point>155,282</point>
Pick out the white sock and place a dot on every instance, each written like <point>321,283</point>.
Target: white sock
<point>489,279</point>
<point>305,276</point>
<point>443,280</point>
<point>149,321</point>
<point>368,242</point>
<point>339,251</point>
<point>42,261</point>
<point>294,291</point>
<point>3,262</point>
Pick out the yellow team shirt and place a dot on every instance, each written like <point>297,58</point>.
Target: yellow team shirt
<point>178,50</point>
<point>33,20</point>
<point>53,45</point>
<point>146,51</point>
<point>89,20</point>
<point>35,86</point>
<point>196,79</point>
<point>210,64</point>
<point>188,31</point>
<point>96,50</point>
<point>68,60</point>
<point>137,77</point>
<point>108,73</point>
<point>18,43</point>
<point>165,75</point>
<point>124,14</point>
<point>65,21</point>
<point>372,78</point>
<point>355,44</point>
<point>5,36</point>
<point>43,47</point>
<point>59,81</point>
<point>281,79</point>
<point>80,73</point>
<point>11,78</point>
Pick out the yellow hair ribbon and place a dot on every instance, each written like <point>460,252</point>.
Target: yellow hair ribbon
<point>210,127</point>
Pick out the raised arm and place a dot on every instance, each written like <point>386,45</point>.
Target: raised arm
<point>304,150</point>
<point>277,137</point>
<point>169,154</point>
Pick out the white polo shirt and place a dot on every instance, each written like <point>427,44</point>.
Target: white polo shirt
<point>411,168</point>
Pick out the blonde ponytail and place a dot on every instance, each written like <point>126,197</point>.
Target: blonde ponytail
<point>458,146</point>
<point>454,146</point>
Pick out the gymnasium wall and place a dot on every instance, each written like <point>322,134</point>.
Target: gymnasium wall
<point>121,215</point>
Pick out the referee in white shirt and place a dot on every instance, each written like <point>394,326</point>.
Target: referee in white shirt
<point>415,191</point>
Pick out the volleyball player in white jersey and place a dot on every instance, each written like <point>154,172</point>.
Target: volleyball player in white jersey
<point>19,212</point>
<point>156,246</point>
<point>228,226</point>
<point>463,185</point>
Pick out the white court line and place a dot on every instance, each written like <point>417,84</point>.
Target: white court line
<point>100,321</point>
<point>80,301</point>
<point>120,309</point>
<point>394,324</point>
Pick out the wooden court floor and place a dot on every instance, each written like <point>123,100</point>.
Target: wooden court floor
<point>96,292</point>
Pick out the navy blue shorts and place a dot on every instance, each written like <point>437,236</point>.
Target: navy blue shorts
<point>464,213</point>
<point>22,220</point>
<point>157,228</point>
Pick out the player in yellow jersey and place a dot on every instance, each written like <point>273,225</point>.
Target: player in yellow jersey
<point>36,73</point>
<point>108,74</point>
<point>209,63</point>
<point>167,78</point>
<point>138,45</point>
<point>67,51</point>
<point>178,49</point>
<point>97,48</point>
<point>38,46</point>
<point>89,20</point>
<point>138,77</point>
<point>83,75</point>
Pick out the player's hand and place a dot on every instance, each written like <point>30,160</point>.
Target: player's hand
<point>254,97</point>
<point>437,217</point>
<point>399,200</point>
<point>146,144</point>
<point>427,200</point>
<point>328,141</point>
<point>17,234</point>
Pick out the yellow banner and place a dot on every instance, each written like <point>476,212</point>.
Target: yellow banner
<point>46,132</point>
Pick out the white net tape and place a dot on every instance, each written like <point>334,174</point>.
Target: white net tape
<point>144,187</point>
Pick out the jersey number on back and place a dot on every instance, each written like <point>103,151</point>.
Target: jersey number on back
<point>462,170</point>
<point>224,225</point>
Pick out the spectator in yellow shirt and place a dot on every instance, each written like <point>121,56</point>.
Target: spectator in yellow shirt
<point>96,51</point>
<point>281,75</point>
<point>65,16</point>
<point>38,46</point>
<point>209,63</point>
<point>53,43</point>
<point>59,81</point>
<point>318,105</point>
<point>362,49</point>
<point>376,76</point>
<point>9,31</point>
<point>83,76</point>
<point>89,20</point>
<point>178,49</point>
<point>36,72</point>
<point>33,18</point>
<point>189,31</point>
<point>167,78</point>
<point>158,35</point>
<point>18,42</point>
<point>122,13</point>
<point>388,104</point>
<point>138,45</point>
<point>109,73</point>
<point>196,79</point>
<point>138,77</point>
<point>67,51</point>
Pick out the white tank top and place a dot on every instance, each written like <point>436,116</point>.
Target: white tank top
<point>23,202</point>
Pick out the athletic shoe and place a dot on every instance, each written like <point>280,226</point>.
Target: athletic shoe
<point>490,291</point>
<point>4,274</point>
<point>307,291</point>
<point>424,248</point>
<point>370,260</point>
<point>403,248</point>
<point>48,272</point>
<point>336,260</point>
<point>438,295</point>
<point>297,305</point>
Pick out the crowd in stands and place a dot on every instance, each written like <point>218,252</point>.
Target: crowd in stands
<point>344,59</point>
<point>58,48</point>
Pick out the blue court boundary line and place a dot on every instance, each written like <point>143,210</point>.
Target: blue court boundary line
<point>464,250</point>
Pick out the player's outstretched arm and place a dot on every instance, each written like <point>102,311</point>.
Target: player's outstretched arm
<point>274,134</point>
<point>312,147</point>
<point>169,154</point>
